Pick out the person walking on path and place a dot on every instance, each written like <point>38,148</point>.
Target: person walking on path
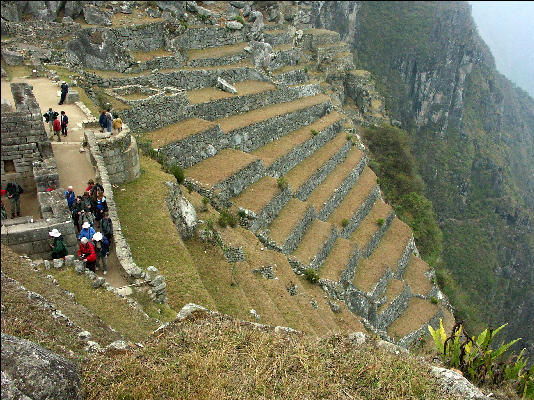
<point>87,254</point>
<point>49,118</point>
<point>77,210</point>
<point>117,124</point>
<point>106,227</point>
<point>71,197</point>
<point>64,91</point>
<point>109,116</point>
<point>59,250</point>
<point>101,250</point>
<point>57,129</point>
<point>64,123</point>
<point>101,206</point>
<point>4,212</point>
<point>14,191</point>
<point>87,202</point>
<point>87,232</point>
<point>103,121</point>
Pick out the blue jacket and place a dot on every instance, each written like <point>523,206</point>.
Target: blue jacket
<point>70,199</point>
<point>88,233</point>
<point>103,121</point>
<point>104,247</point>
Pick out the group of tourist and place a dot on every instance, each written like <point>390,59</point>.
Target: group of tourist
<point>57,126</point>
<point>107,121</point>
<point>93,226</point>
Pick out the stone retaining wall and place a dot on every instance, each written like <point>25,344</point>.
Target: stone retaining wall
<point>323,253</point>
<point>295,237</point>
<point>293,77</point>
<point>403,261</point>
<point>347,275</point>
<point>320,175</point>
<point>271,210</point>
<point>121,157</point>
<point>218,61</point>
<point>394,310</point>
<point>361,212</point>
<point>238,182</point>
<point>375,239</point>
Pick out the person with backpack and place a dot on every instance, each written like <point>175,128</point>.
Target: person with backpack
<point>117,124</point>
<point>101,206</point>
<point>101,249</point>
<point>49,118</point>
<point>103,121</point>
<point>64,123</point>
<point>64,91</point>
<point>86,232</point>
<point>57,129</point>
<point>14,191</point>
<point>106,227</point>
<point>59,250</point>
<point>87,253</point>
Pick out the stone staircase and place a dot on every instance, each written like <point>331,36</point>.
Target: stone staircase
<point>283,153</point>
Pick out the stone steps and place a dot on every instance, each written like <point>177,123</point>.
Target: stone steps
<point>308,174</point>
<point>287,229</point>
<point>315,246</point>
<point>357,201</point>
<point>285,153</point>
<point>341,262</point>
<point>416,275</point>
<point>225,175</point>
<point>256,128</point>
<point>389,258</point>
<point>331,191</point>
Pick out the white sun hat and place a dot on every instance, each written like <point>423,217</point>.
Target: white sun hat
<point>97,236</point>
<point>55,233</point>
<point>84,240</point>
<point>86,225</point>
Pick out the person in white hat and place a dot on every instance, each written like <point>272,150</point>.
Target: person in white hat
<point>59,250</point>
<point>101,250</point>
<point>87,254</point>
<point>87,231</point>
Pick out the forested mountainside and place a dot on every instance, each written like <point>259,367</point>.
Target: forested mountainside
<point>472,136</point>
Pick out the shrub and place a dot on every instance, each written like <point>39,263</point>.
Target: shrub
<point>380,221</point>
<point>178,173</point>
<point>349,137</point>
<point>434,300</point>
<point>205,201</point>
<point>311,275</point>
<point>204,17</point>
<point>241,213</point>
<point>282,183</point>
<point>240,19</point>
<point>227,218</point>
<point>189,186</point>
<point>306,69</point>
<point>314,132</point>
<point>344,222</point>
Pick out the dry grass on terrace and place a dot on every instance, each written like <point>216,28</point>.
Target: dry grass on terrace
<point>313,240</point>
<point>369,226</point>
<point>243,88</point>
<point>262,114</point>
<point>150,55</point>
<point>297,176</point>
<point>213,52</point>
<point>325,190</point>
<point>286,221</point>
<point>257,195</point>
<point>337,260</point>
<point>283,47</point>
<point>287,68</point>
<point>178,131</point>
<point>137,17</point>
<point>418,313</point>
<point>354,198</point>
<point>216,169</point>
<point>115,74</point>
<point>393,290</point>
<point>414,275</point>
<point>276,149</point>
<point>135,96</point>
<point>241,64</point>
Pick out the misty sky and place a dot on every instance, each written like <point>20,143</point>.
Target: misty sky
<point>508,30</point>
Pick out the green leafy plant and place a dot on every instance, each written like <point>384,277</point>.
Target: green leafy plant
<point>189,186</point>
<point>178,173</point>
<point>380,221</point>
<point>344,222</point>
<point>204,17</point>
<point>282,183</point>
<point>479,361</point>
<point>314,132</point>
<point>434,300</point>
<point>240,19</point>
<point>306,69</point>
<point>311,275</point>
<point>227,218</point>
<point>349,137</point>
<point>241,213</point>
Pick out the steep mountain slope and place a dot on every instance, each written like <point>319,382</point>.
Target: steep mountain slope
<point>472,137</point>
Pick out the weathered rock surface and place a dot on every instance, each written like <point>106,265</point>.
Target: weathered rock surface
<point>30,371</point>
<point>182,211</point>
<point>225,86</point>
<point>262,54</point>
<point>96,16</point>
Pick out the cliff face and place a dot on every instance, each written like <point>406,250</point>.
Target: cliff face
<point>472,133</point>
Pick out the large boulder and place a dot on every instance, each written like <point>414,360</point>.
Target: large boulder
<point>32,372</point>
<point>182,211</point>
<point>73,9</point>
<point>262,54</point>
<point>178,7</point>
<point>96,16</point>
<point>12,57</point>
<point>10,11</point>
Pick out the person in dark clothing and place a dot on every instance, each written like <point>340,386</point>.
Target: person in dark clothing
<point>77,210</point>
<point>59,250</point>
<point>103,121</point>
<point>88,208</point>
<point>101,250</point>
<point>64,91</point>
<point>64,123</point>
<point>14,191</point>
<point>106,227</point>
<point>101,206</point>
<point>87,254</point>
<point>49,118</point>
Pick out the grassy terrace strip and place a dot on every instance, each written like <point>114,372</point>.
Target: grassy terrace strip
<point>262,114</point>
<point>243,88</point>
<point>208,357</point>
<point>287,220</point>
<point>354,198</point>
<point>369,226</point>
<point>212,52</point>
<point>418,313</point>
<point>178,131</point>
<point>393,289</point>
<point>297,176</point>
<point>257,195</point>
<point>149,55</point>
<point>315,237</point>
<point>276,149</point>
<point>223,165</point>
<point>414,275</point>
<point>326,189</point>
<point>153,238</point>
<point>94,310</point>
<point>338,259</point>
<point>386,255</point>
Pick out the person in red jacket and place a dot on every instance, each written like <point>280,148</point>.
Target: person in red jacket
<point>87,254</point>
<point>57,129</point>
